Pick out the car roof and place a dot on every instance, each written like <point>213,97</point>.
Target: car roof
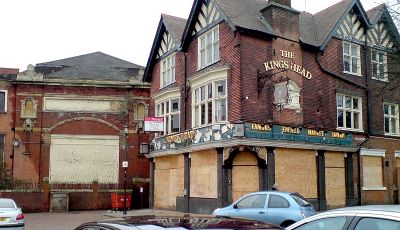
<point>272,192</point>
<point>188,222</point>
<point>385,208</point>
<point>367,210</point>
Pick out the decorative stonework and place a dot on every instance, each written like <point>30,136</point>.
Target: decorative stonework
<point>29,108</point>
<point>30,75</point>
<point>261,151</point>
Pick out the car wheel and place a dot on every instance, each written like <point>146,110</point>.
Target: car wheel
<point>287,223</point>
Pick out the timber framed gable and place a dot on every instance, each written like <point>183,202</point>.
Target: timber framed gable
<point>383,33</point>
<point>208,16</point>
<point>167,45</point>
<point>351,29</point>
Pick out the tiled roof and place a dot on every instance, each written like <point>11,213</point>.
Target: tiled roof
<point>175,26</point>
<point>94,66</point>
<point>98,59</point>
<point>246,14</point>
<point>316,28</point>
<point>374,13</point>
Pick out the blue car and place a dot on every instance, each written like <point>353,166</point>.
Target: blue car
<point>280,208</point>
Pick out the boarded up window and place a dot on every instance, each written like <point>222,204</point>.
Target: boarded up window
<point>372,171</point>
<point>141,112</point>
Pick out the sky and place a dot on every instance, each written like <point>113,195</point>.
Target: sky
<point>35,31</point>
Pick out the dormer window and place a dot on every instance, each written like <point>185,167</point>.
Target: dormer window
<point>379,65</point>
<point>167,71</point>
<point>351,58</point>
<point>208,48</point>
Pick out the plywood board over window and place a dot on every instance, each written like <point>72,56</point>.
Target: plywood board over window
<point>335,179</point>
<point>372,168</point>
<point>168,176</point>
<point>296,170</point>
<point>203,174</point>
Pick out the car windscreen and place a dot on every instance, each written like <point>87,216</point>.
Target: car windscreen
<point>6,203</point>
<point>300,200</point>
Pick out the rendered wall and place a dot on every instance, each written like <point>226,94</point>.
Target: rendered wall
<point>203,174</point>
<point>84,158</point>
<point>296,171</point>
<point>168,178</point>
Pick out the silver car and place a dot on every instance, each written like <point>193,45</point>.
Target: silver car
<point>369,217</point>
<point>11,216</point>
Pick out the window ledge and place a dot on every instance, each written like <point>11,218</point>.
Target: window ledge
<point>392,134</point>
<point>354,74</point>
<point>351,130</point>
<point>208,65</point>
<point>377,188</point>
<point>378,79</point>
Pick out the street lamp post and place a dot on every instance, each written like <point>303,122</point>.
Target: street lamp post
<point>125,164</point>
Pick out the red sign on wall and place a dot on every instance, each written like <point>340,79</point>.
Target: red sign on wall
<point>154,124</point>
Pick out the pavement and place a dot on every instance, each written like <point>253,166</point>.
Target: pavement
<point>70,220</point>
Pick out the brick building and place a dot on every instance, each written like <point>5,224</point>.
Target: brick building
<point>76,120</point>
<point>255,94</point>
<point>7,92</point>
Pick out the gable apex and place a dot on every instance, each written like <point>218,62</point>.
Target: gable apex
<point>347,12</point>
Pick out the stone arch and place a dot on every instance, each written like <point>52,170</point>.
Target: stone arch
<point>53,127</point>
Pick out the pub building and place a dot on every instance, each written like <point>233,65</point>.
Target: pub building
<point>255,93</point>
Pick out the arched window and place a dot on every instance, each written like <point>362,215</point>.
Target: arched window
<point>141,111</point>
<point>28,108</point>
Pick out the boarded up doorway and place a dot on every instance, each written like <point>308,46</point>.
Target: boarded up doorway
<point>245,175</point>
<point>335,180</point>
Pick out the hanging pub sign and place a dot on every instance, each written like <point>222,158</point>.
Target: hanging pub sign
<point>287,65</point>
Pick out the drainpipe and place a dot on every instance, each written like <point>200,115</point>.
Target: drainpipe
<point>185,94</point>
<point>366,68</point>
<point>368,130</point>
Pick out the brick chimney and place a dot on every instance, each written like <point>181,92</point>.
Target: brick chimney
<point>282,2</point>
<point>282,18</point>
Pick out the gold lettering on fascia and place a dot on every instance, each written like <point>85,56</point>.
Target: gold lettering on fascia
<point>260,127</point>
<point>181,137</point>
<point>271,65</point>
<point>338,135</point>
<point>313,132</point>
<point>290,130</point>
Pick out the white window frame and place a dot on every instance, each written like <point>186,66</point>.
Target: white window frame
<point>208,48</point>
<point>391,116</point>
<point>165,109</point>
<point>167,71</point>
<point>5,101</point>
<point>341,107</point>
<point>352,55</point>
<point>206,96</point>
<point>381,65</point>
